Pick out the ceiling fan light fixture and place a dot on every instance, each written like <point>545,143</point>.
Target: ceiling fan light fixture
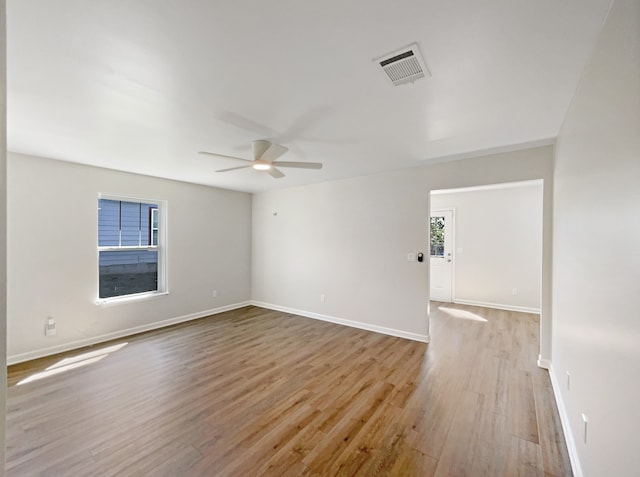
<point>265,159</point>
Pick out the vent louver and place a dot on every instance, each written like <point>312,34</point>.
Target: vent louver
<point>404,65</point>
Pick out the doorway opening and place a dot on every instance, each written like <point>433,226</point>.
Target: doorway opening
<point>486,246</point>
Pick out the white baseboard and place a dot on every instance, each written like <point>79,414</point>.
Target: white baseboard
<point>40,353</point>
<point>566,428</point>
<point>498,306</point>
<point>341,321</point>
<point>543,363</point>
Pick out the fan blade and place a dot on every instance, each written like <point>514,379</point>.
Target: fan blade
<point>273,152</point>
<point>224,156</point>
<point>260,146</point>
<point>275,173</point>
<point>299,165</point>
<point>234,168</point>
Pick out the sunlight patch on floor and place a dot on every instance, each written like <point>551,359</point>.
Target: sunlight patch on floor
<point>462,314</point>
<point>73,362</point>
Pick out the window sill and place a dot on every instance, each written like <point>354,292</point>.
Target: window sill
<point>118,300</point>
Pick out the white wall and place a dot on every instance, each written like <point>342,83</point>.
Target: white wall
<point>498,245</point>
<point>52,247</point>
<point>349,241</point>
<point>596,270</point>
<point>3,229</point>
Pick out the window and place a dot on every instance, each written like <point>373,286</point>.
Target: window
<point>437,236</point>
<point>130,247</point>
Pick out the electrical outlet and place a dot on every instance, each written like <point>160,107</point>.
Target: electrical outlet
<point>568,381</point>
<point>514,291</point>
<point>214,293</point>
<point>50,327</point>
<point>585,420</point>
<point>322,298</point>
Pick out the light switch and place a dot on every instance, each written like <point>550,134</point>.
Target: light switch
<point>411,257</point>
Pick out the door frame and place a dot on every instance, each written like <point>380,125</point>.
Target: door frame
<point>453,248</point>
<point>544,177</point>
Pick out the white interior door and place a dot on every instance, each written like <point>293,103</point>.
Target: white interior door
<point>441,255</point>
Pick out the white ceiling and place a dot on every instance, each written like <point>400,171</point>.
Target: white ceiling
<point>142,85</point>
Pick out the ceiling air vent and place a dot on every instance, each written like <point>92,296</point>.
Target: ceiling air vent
<point>404,65</point>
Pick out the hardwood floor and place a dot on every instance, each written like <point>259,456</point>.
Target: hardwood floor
<point>259,392</point>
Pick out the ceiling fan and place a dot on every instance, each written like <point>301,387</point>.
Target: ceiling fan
<point>265,158</point>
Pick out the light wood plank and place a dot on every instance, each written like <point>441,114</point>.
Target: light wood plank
<point>259,392</point>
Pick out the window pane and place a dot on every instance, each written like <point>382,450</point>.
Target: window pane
<point>437,236</point>
<point>130,223</point>
<point>153,225</point>
<point>108,223</point>
<point>128,271</point>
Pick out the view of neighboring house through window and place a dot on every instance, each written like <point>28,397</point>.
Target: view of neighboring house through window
<point>130,258</point>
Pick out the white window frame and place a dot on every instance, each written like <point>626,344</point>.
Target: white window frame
<point>161,248</point>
